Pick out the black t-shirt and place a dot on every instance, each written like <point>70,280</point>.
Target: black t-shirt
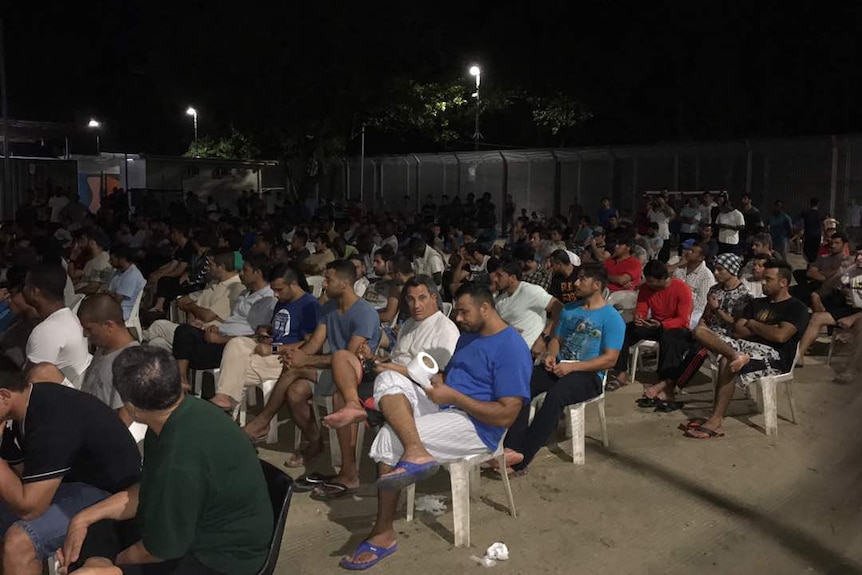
<point>791,311</point>
<point>811,223</point>
<point>563,288</point>
<point>70,434</point>
<point>185,253</point>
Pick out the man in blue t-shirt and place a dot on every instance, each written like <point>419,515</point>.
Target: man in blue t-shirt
<point>464,412</point>
<point>587,342</point>
<point>250,360</point>
<point>346,322</point>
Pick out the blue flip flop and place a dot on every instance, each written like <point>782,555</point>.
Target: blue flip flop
<point>366,547</point>
<point>413,473</point>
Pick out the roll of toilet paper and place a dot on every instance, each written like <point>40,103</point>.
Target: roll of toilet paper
<point>422,368</point>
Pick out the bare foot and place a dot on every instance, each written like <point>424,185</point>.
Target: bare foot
<point>512,458</point>
<point>658,391</point>
<point>255,429</point>
<point>739,362</point>
<point>308,454</point>
<point>382,540</point>
<point>347,415</point>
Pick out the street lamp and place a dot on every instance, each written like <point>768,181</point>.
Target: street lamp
<point>94,124</point>
<point>194,113</point>
<point>477,72</point>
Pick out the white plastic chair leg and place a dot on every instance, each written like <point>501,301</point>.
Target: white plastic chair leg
<point>268,386</point>
<point>770,407</point>
<point>507,487</point>
<point>460,474</point>
<point>603,422</point>
<point>634,368</point>
<point>576,428</point>
<point>411,501</point>
<point>790,400</point>
<point>475,474</point>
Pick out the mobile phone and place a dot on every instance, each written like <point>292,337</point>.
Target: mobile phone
<point>274,349</point>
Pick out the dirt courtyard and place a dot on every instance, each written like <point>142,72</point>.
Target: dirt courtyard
<point>655,502</point>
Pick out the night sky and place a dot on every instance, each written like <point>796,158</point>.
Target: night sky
<point>660,71</point>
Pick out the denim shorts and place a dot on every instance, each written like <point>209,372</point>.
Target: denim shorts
<point>48,531</point>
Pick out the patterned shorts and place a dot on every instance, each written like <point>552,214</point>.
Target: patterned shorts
<point>764,360</point>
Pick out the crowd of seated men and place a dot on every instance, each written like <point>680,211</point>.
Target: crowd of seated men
<point>538,311</point>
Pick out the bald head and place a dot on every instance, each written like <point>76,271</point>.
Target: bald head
<point>101,308</point>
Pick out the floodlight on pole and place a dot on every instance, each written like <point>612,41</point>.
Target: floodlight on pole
<point>94,124</point>
<point>477,72</point>
<point>194,114</point>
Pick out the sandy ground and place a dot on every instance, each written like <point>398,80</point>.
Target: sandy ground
<point>654,502</point>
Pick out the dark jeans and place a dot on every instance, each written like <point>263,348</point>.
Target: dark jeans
<point>673,345</point>
<point>810,247</point>
<point>170,289</point>
<point>728,248</point>
<point>528,438</point>
<point>189,344</point>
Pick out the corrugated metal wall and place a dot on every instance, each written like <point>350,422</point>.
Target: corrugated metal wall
<point>548,181</point>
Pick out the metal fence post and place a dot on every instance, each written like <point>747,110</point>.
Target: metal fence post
<point>833,180</point>
<point>749,162</point>
<point>558,183</point>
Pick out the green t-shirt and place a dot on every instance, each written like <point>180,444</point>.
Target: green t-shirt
<point>203,492</point>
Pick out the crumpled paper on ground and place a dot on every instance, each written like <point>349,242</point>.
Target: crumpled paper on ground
<point>433,504</point>
<point>496,552</point>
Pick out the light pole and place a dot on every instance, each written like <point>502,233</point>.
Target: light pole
<point>95,125</point>
<point>477,72</point>
<point>194,114</point>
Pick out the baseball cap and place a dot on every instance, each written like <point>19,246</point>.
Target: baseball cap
<point>687,244</point>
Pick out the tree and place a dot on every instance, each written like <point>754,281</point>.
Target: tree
<point>235,146</point>
<point>559,113</point>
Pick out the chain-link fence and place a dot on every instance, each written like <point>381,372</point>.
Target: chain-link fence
<point>547,181</point>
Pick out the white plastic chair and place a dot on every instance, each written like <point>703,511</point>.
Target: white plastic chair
<point>197,379</point>
<point>447,308</point>
<point>134,321</point>
<point>315,284</point>
<point>768,400</point>
<point>625,302</point>
<point>326,402</point>
<point>635,352</point>
<point>248,398</point>
<point>576,421</point>
<point>464,475</point>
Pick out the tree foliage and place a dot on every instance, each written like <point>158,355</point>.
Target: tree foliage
<point>236,146</point>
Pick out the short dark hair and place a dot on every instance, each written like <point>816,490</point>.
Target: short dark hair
<point>323,238</point>
<point>762,238</point>
<point>11,376</point>
<point>15,277</point>
<point>386,253</point>
<point>226,258</point>
<point>523,252</point>
<point>344,270</point>
<point>261,263</point>
<point>49,278</point>
<point>509,266</point>
<point>122,252</point>
<point>101,239</point>
<point>480,293</point>
<point>290,274</point>
<point>656,270</point>
<point>814,202</point>
<point>596,272</point>
<point>764,257</point>
<point>206,238</point>
<point>421,280</point>
<point>784,269</point>
<point>147,377</point>
<point>841,236</point>
<point>561,257</point>
<point>474,247</point>
<point>301,235</point>
<point>233,239</point>
<point>101,308</point>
